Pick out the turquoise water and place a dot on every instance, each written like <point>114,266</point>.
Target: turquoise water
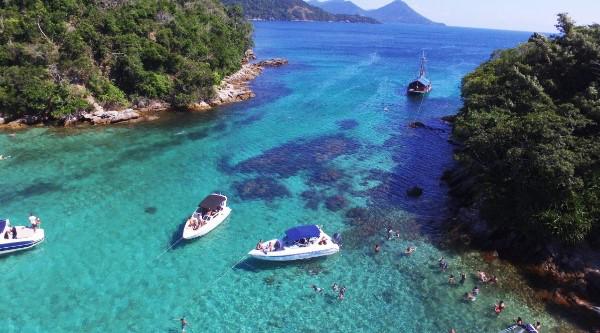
<point>326,141</point>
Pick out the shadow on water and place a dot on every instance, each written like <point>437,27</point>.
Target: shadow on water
<point>37,189</point>
<point>309,266</point>
<point>176,241</point>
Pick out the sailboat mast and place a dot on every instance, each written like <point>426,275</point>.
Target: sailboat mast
<point>422,69</point>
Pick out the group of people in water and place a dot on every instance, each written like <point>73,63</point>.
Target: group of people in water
<point>34,222</point>
<point>470,296</point>
<point>340,290</point>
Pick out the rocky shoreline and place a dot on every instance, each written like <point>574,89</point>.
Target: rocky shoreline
<point>234,88</point>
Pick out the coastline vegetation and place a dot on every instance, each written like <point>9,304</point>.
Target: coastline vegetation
<point>56,53</point>
<point>531,132</point>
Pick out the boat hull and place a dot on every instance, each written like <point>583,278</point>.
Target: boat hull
<point>294,255</point>
<point>189,233</point>
<point>22,244</point>
<point>422,92</point>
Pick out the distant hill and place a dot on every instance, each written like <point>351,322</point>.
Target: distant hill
<point>339,7</point>
<point>292,10</point>
<point>395,12</point>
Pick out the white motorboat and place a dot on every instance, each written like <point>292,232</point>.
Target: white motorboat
<point>302,242</point>
<point>18,238</point>
<point>211,212</point>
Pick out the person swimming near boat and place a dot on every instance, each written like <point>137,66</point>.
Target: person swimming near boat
<point>342,293</point>
<point>463,278</point>
<point>537,325</point>
<point>498,308</point>
<point>335,287</point>
<point>475,291</point>
<point>519,321</point>
<point>452,331</point>
<point>377,248</point>
<point>2,157</point>
<point>443,264</point>
<point>316,289</point>
<point>451,279</point>
<point>493,279</point>
<point>183,324</point>
<point>390,233</point>
<point>410,250</point>
<point>482,276</point>
<point>470,297</point>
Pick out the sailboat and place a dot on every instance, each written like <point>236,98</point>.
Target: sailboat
<point>421,85</point>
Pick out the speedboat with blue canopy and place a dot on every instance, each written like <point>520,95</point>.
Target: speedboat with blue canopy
<point>520,328</point>
<point>301,242</point>
<point>211,212</point>
<point>18,238</point>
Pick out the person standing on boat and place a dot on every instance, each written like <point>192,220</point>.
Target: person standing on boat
<point>34,221</point>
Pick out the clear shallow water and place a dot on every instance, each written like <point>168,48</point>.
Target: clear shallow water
<point>316,145</point>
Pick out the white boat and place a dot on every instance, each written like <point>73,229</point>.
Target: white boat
<point>211,212</point>
<point>18,238</point>
<point>302,242</point>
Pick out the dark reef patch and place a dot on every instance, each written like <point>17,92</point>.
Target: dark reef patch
<point>141,152</point>
<point>312,199</point>
<point>335,203</point>
<point>250,119</point>
<point>150,210</point>
<point>290,158</point>
<point>347,124</point>
<point>36,189</point>
<point>263,188</point>
<point>326,176</point>
<point>197,135</point>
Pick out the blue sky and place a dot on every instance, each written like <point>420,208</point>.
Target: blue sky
<point>526,15</point>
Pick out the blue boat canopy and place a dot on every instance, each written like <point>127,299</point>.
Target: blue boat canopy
<point>303,231</point>
<point>2,225</point>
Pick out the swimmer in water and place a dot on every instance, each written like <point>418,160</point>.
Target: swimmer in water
<point>498,308</point>
<point>377,248</point>
<point>335,287</point>
<point>470,297</point>
<point>410,250</point>
<point>183,324</point>
<point>475,290</point>
<point>342,293</point>
<point>317,289</point>
<point>463,278</point>
<point>451,279</point>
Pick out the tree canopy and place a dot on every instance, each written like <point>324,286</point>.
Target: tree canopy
<point>54,53</point>
<point>530,127</point>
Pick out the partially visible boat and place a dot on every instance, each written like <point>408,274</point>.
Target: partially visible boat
<point>211,212</point>
<point>18,238</point>
<point>421,85</point>
<point>520,328</point>
<point>298,243</point>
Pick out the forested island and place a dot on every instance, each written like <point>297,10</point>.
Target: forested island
<point>58,58</point>
<point>529,177</point>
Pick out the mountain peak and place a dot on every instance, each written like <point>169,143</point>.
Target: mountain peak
<point>394,12</point>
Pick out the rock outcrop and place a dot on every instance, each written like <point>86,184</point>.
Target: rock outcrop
<point>236,87</point>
